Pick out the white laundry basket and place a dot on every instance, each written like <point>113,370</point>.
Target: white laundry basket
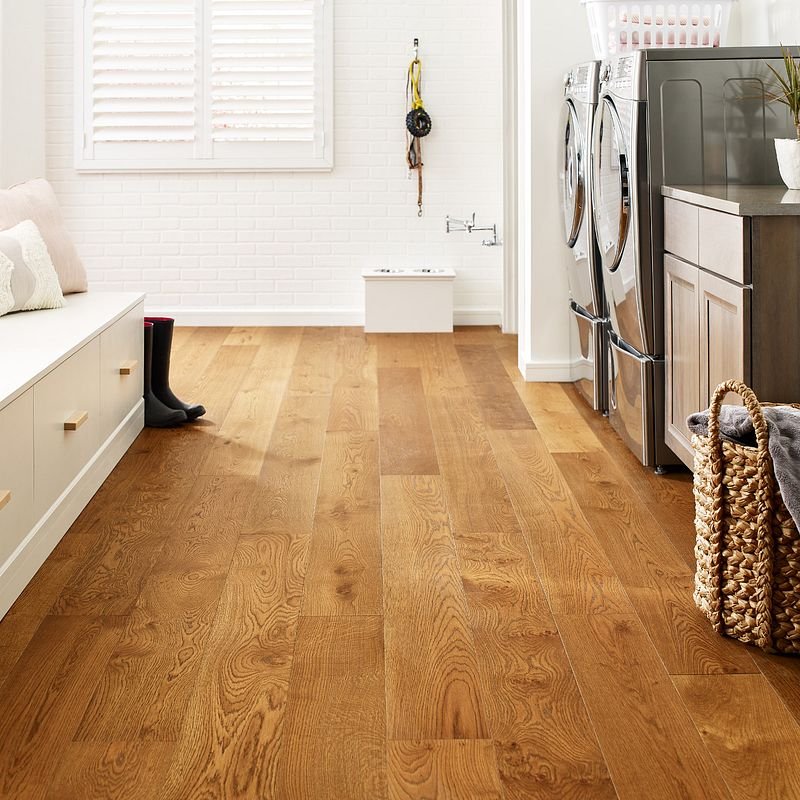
<point>619,26</point>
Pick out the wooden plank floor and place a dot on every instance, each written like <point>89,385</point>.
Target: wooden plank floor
<point>382,567</point>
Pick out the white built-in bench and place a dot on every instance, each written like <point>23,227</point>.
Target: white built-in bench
<point>70,406</point>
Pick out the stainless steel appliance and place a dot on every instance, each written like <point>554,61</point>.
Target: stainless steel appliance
<point>587,300</point>
<point>676,117</point>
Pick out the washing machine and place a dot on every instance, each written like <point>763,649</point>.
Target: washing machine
<point>587,301</point>
<point>677,117</point>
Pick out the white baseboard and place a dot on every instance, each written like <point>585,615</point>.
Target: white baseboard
<point>24,562</point>
<point>292,317</point>
<point>546,371</point>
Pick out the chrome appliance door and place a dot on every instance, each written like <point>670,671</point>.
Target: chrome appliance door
<point>588,338</point>
<point>573,186</point>
<point>630,399</point>
<point>613,213</point>
<point>572,181</point>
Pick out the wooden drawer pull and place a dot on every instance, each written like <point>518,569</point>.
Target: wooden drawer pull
<point>5,498</point>
<point>76,420</point>
<point>128,367</point>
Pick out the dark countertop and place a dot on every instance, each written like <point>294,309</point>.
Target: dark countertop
<point>744,201</point>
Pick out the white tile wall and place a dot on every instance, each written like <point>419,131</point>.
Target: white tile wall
<point>228,246</point>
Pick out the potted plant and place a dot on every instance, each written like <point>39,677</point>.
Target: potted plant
<point>788,92</point>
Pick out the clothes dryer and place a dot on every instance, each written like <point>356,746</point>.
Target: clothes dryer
<point>677,117</point>
<point>588,320</point>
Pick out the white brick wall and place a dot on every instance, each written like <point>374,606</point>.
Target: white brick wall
<point>228,247</point>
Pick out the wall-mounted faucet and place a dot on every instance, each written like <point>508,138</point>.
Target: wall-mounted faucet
<point>453,225</point>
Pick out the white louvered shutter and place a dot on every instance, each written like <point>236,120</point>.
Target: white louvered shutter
<point>141,104</point>
<point>267,79</point>
<point>206,84</point>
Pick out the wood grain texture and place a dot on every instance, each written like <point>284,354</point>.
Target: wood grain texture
<point>477,495</point>
<point>354,402</point>
<point>285,496</point>
<point>500,404</point>
<point>335,713</point>
<point>45,696</point>
<point>407,446</point>
<point>556,421</point>
<point>314,368</point>
<point>751,735</point>
<point>144,691</point>
<point>117,771</point>
<point>432,678</point>
<point>398,349</point>
<point>657,580</point>
<point>642,725</point>
<point>440,366</point>
<point>231,740</point>
<point>48,583</point>
<point>443,770</point>
<point>783,675</point>
<point>244,597</point>
<point>16,633</point>
<point>344,567</point>
<point>668,497</point>
<point>239,447</point>
<point>543,736</point>
<point>575,571</point>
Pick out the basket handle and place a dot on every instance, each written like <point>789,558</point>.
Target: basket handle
<point>764,499</point>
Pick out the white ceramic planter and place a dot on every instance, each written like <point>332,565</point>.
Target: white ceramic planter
<point>788,151</point>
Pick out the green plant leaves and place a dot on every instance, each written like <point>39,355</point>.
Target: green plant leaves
<point>788,89</point>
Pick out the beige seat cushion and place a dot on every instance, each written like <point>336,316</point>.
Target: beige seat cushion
<point>36,200</point>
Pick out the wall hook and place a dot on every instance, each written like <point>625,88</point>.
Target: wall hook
<point>416,49</point>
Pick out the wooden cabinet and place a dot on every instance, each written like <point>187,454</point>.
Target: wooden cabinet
<point>682,293</point>
<point>731,313</point>
<point>724,335</point>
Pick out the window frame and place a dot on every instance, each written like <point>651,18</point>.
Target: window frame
<point>82,120</point>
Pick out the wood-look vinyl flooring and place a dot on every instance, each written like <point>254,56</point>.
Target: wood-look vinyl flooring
<point>382,567</point>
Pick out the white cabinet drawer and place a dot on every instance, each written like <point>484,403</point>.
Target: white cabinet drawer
<point>66,414</point>
<point>121,349</point>
<point>16,473</point>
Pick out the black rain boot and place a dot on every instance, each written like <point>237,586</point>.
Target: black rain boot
<point>162,348</point>
<point>156,414</point>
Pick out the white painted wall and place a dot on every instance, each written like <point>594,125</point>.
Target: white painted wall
<point>291,247</point>
<point>549,43</point>
<point>768,22</point>
<point>22,98</point>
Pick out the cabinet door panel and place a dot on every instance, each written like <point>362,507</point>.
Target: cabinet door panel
<point>725,335</point>
<point>66,412</point>
<point>682,318</point>
<point>16,473</point>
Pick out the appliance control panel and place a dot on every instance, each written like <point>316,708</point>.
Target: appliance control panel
<point>621,75</point>
<point>580,83</point>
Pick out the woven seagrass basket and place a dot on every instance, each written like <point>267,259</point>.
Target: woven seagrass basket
<point>748,547</point>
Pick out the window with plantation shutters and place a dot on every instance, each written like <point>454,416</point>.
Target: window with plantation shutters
<point>205,84</point>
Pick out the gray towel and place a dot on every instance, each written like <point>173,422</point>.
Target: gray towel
<point>783,424</point>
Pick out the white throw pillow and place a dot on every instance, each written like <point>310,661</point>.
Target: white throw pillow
<point>28,279</point>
